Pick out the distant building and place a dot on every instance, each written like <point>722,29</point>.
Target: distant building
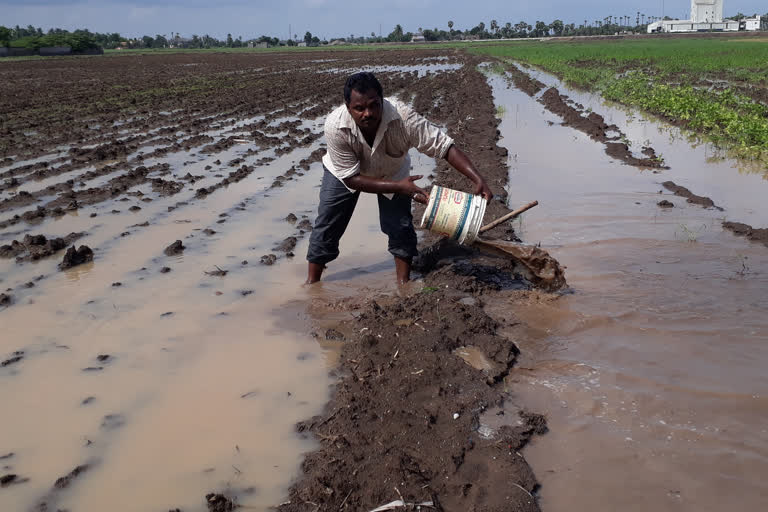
<point>302,44</point>
<point>252,44</point>
<point>418,38</point>
<point>706,16</point>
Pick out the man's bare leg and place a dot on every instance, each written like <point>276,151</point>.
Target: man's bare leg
<point>314,272</point>
<point>403,269</point>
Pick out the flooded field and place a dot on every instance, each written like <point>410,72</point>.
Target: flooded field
<point>166,374</point>
<point>179,357</point>
<point>651,372</point>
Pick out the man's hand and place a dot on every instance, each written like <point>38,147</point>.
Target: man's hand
<point>482,189</point>
<point>407,187</point>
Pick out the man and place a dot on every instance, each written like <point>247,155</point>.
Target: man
<point>368,139</point>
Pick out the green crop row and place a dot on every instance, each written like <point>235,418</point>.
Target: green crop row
<point>671,78</point>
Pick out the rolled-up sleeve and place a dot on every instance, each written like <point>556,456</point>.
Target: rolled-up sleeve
<point>344,163</point>
<point>425,136</point>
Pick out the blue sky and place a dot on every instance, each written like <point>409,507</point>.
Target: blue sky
<point>324,18</point>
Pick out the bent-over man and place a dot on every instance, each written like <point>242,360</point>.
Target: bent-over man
<point>368,139</point>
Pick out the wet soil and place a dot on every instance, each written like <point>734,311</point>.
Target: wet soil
<point>405,418</point>
<point>754,234</point>
<point>113,149</point>
<point>595,126</point>
<point>74,257</point>
<point>34,247</point>
<point>690,196</point>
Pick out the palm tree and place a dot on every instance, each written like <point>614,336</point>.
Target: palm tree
<point>450,26</point>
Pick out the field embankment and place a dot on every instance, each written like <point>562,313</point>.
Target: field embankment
<point>717,87</point>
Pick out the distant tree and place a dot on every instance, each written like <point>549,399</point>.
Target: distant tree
<point>160,41</point>
<point>494,27</point>
<point>478,30</point>
<point>450,26</point>
<point>230,41</point>
<point>147,42</point>
<point>397,35</point>
<point>308,38</point>
<point>5,36</point>
<point>541,29</point>
<point>557,27</point>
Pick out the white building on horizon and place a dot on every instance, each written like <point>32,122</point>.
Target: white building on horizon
<point>706,16</point>
<point>707,11</point>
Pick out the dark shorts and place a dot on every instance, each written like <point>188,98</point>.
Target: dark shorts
<point>337,204</point>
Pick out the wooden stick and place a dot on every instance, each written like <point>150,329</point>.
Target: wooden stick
<point>509,216</point>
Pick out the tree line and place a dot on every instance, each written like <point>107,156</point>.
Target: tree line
<point>82,39</point>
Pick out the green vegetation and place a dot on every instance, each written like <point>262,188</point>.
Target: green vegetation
<point>34,39</point>
<point>714,86</point>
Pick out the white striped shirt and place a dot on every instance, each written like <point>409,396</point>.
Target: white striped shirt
<point>401,129</point>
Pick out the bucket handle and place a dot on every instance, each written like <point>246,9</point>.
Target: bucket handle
<point>509,216</point>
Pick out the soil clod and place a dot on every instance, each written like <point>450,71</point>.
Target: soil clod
<point>175,248</point>
<point>66,481</point>
<point>15,358</point>
<point>73,257</point>
<point>219,503</point>
<point>268,259</point>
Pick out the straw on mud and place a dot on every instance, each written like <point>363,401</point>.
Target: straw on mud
<point>400,503</point>
<point>523,489</point>
<point>345,499</point>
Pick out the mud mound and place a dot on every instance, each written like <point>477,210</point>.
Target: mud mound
<point>34,247</point>
<point>595,126</point>
<point>523,81</point>
<point>407,414</point>
<point>544,271</point>
<point>175,248</point>
<point>690,196</point>
<point>496,263</point>
<point>73,257</point>
<point>754,234</point>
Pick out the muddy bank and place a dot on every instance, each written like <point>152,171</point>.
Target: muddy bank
<point>410,419</point>
<point>689,196</point>
<point>598,130</point>
<point>753,234</point>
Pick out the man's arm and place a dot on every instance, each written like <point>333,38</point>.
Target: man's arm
<point>461,163</point>
<point>430,140</point>
<point>406,186</point>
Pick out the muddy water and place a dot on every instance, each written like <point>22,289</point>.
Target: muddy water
<point>206,375</point>
<point>652,372</point>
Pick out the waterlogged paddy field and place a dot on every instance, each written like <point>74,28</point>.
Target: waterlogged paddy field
<point>145,378</point>
<point>717,86</point>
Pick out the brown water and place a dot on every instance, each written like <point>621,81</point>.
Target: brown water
<point>652,372</point>
<point>207,376</point>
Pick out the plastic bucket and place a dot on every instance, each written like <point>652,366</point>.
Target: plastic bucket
<point>455,214</point>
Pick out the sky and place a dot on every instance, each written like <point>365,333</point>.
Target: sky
<point>326,19</point>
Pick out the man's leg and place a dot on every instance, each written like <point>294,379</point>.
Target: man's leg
<point>333,213</point>
<point>397,223</point>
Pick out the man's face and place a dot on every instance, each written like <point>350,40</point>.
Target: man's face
<point>365,108</point>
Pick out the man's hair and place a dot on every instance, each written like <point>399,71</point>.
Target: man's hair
<point>362,82</point>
